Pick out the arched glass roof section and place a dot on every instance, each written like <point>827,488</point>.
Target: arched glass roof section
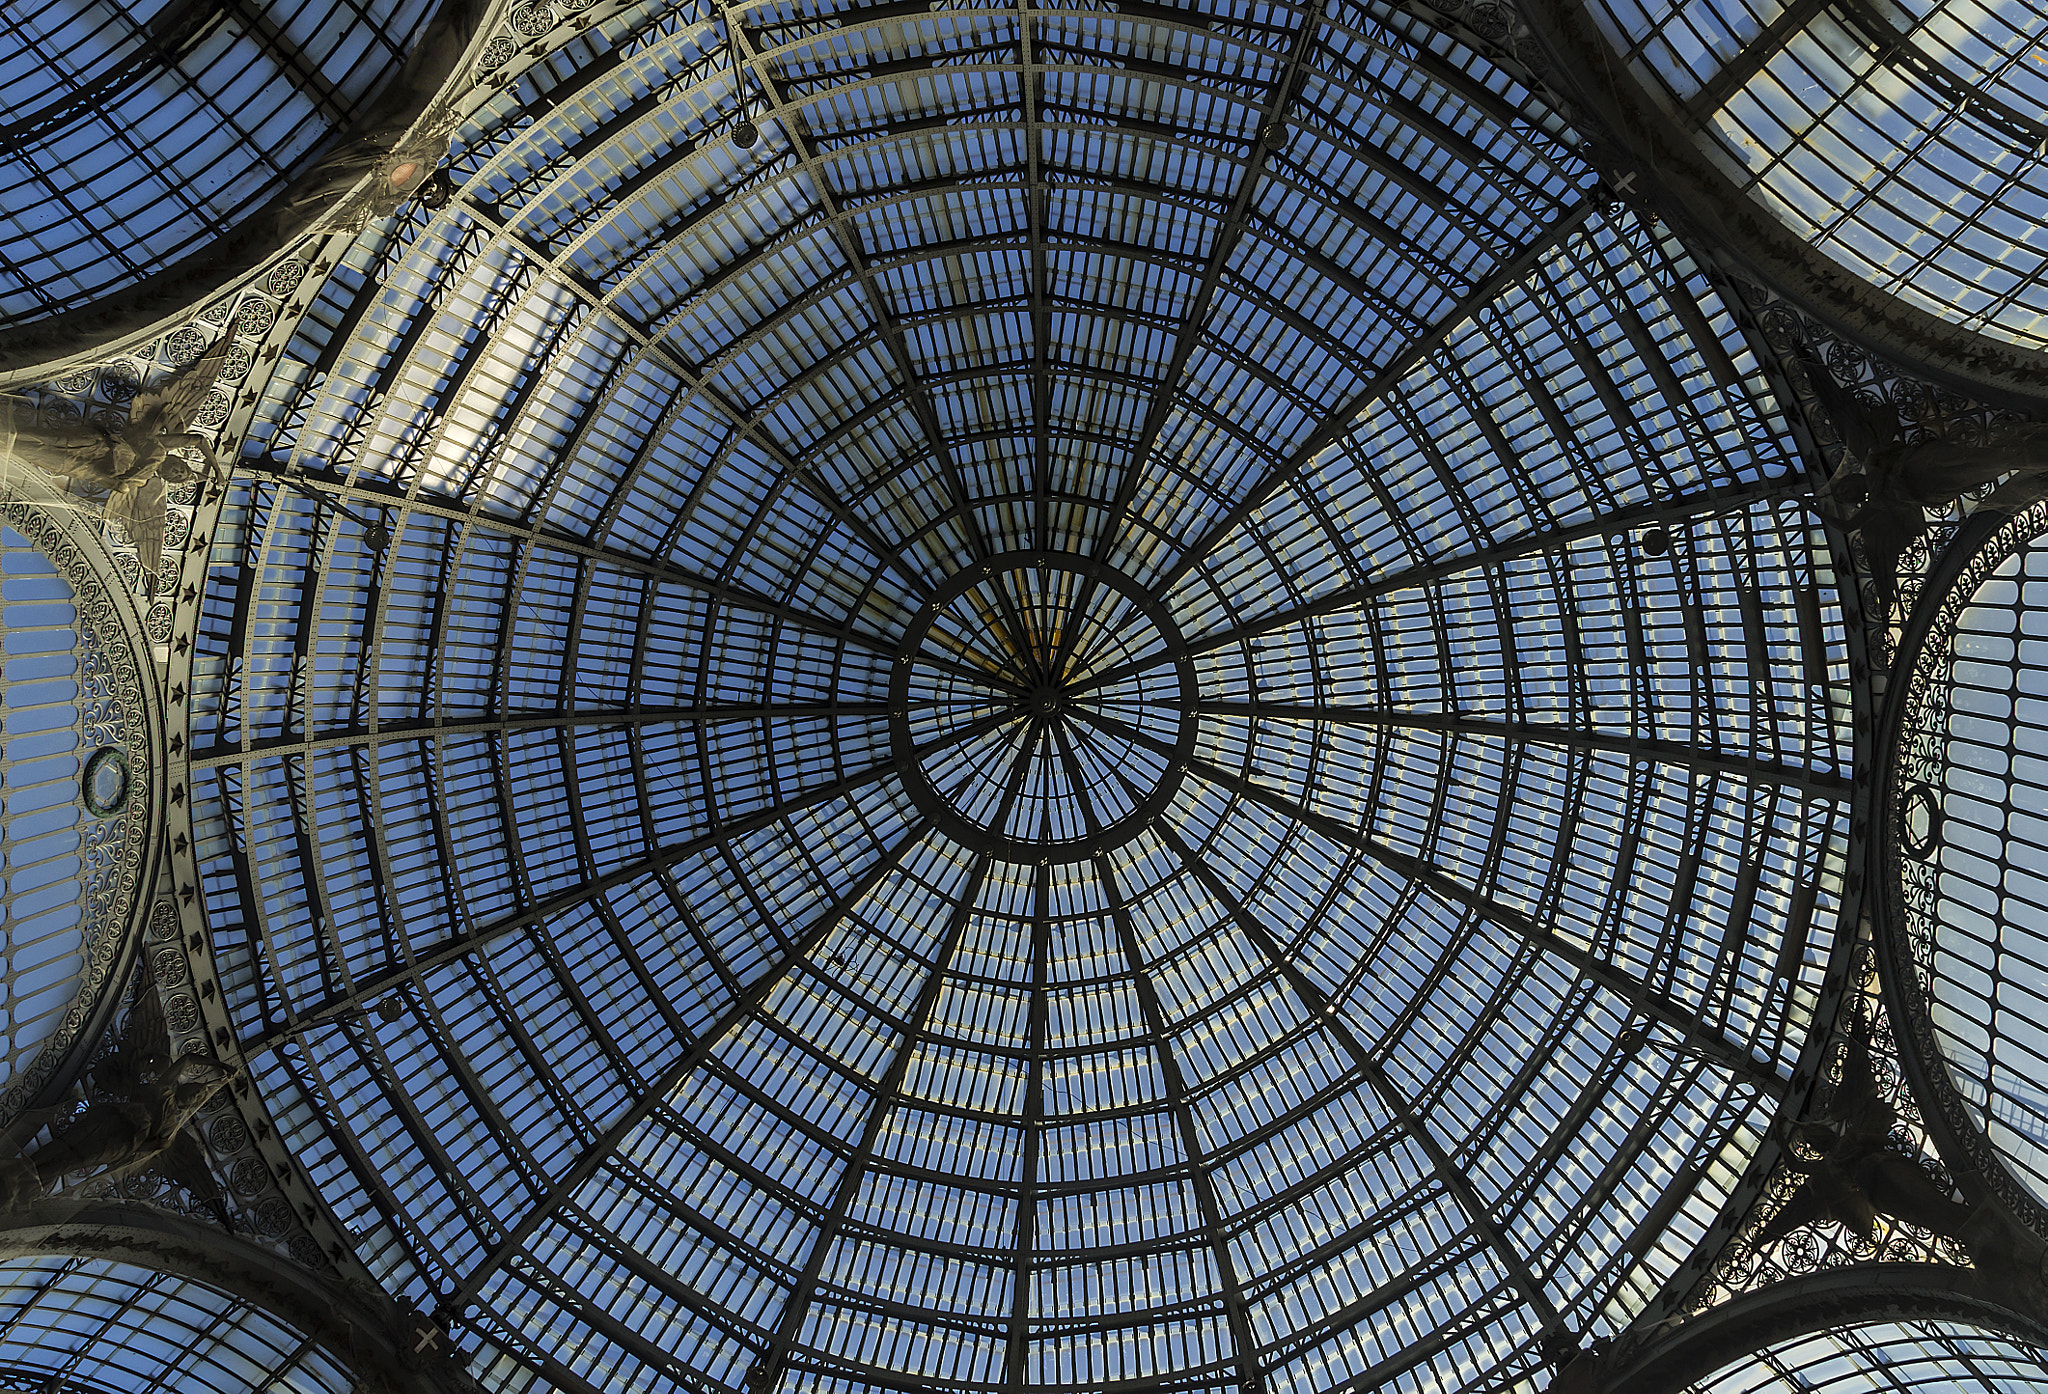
<point>1905,139</point>
<point>1376,571</point>
<point>1887,1357</point>
<point>43,816</point>
<point>80,805</point>
<point>132,135</point>
<point>1967,793</point>
<point>98,1326</point>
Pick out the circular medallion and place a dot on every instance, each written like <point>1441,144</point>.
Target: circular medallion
<point>1042,707</point>
<point>182,347</point>
<point>255,316</point>
<point>284,278</point>
<point>106,782</point>
<point>1919,820</point>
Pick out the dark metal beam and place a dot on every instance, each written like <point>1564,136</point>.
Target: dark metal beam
<point>1449,1175</point>
<point>1723,498</point>
<point>1688,187</point>
<point>1338,422</point>
<point>1016,1365</point>
<point>1676,1358</point>
<point>796,128</point>
<point>364,987</point>
<point>459,728</point>
<point>307,77</point>
<point>1730,1055</point>
<point>717,592</point>
<point>886,1098</point>
<point>1733,764</point>
<point>1237,1313</point>
<point>1270,133</point>
<point>698,383</point>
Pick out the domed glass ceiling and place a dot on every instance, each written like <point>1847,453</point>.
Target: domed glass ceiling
<point>1974,848</point>
<point>73,1325</point>
<point>1004,698</point>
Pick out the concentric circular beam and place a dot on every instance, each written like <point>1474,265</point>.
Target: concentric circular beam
<point>1047,783</point>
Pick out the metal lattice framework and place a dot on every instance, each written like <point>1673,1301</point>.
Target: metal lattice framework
<point>1968,900</point>
<point>1748,1265</point>
<point>1020,698</point>
<point>81,788</point>
<point>136,134</point>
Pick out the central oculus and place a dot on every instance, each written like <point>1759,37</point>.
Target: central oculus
<point>1042,707</point>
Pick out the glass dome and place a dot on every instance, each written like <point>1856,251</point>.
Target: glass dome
<point>992,699</point>
<point>1887,1357</point>
<point>72,1325</point>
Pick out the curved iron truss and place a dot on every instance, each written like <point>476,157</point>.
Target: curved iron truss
<point>1894,1328</point>
<point>1889,1357</point>
<point>143,1329</point>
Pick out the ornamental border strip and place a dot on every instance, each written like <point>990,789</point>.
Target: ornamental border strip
<point>315,1239</point>
<point>233,1133</point>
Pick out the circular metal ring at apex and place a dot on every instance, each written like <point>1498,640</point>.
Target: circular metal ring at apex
<point>1042,683</point>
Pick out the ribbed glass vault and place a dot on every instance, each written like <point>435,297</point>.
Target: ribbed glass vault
<point>1010,698</point>
<point>73,1325</point>
<point>1970,790</point>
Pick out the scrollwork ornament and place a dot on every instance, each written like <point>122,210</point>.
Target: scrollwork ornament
<point>284,278</point>
<point>1490,22</point>
<point>181,1013</point>
<point>1770,1246</point>
<point>497,54</point>
<point>182,347</point>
